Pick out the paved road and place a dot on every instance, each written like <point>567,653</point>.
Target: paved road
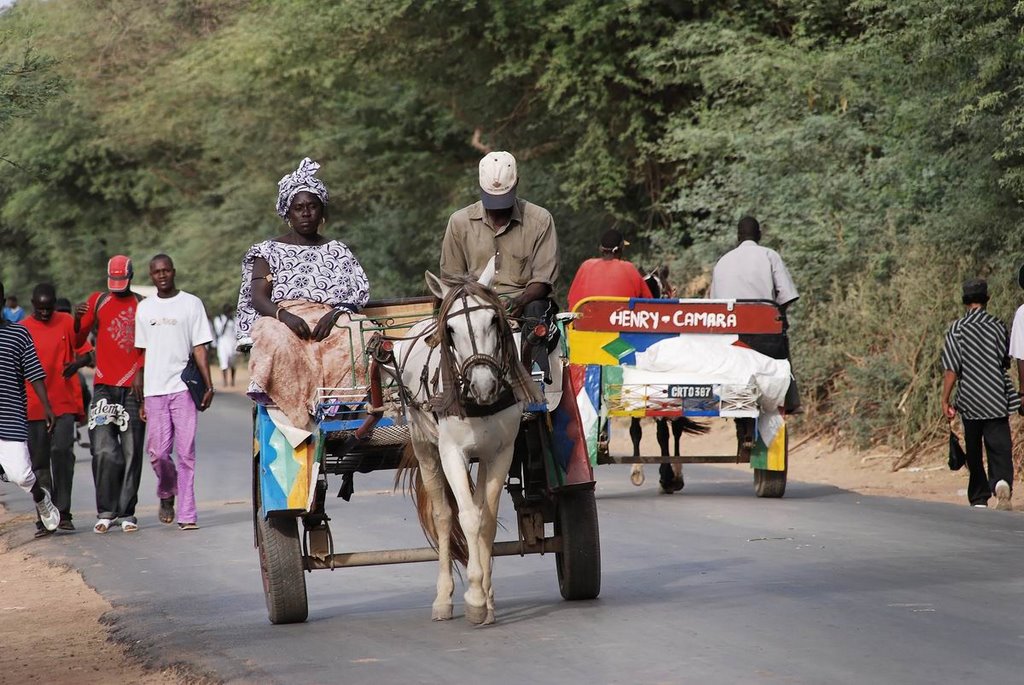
<point>713,585</point>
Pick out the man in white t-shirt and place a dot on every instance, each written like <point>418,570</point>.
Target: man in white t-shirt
<point>169,328</point>
<point>1017,340</point>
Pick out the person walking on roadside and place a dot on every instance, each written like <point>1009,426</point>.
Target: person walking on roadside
<point>975,358</point>
<point>116,429</point>
<point>51,445</point>
<point>170,328</point>
<point>1017,339</point>
<point>225,338</point>
<point>12,312</point>
<point>18,364</point>
<point>608,275</point>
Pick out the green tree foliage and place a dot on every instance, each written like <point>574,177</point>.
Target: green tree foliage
<point>879,143</point>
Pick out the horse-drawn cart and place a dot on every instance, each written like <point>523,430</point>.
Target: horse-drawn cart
<point>365,427</point>
<point>684,358</point>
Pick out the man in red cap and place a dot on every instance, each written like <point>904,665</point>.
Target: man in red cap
<point>116,431</point>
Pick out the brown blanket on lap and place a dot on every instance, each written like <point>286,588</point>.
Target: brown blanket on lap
<point>289,370</point>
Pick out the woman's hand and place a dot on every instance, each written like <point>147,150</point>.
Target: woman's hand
<point>297,324</point>
<point>326,324</point>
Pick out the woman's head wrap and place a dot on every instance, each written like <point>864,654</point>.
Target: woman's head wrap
<point>302,179</point>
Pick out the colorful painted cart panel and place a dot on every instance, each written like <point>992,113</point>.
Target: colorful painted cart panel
<point>670,358</point>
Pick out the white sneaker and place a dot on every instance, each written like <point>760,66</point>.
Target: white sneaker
<point>1003,496</point>
<point>48,513</point>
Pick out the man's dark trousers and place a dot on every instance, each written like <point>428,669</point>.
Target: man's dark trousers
<point>995,434</point>
<point>53,459</point>
<point>118,436</point>
<point>536,312</point>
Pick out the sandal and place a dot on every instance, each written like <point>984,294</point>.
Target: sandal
<point>102,526</point>
<point>129,526</point>
<point>167,510</point>
<point>188,526</point>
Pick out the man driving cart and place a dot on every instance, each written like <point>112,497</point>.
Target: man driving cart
<point>521,238</point>
<point>753,272</point>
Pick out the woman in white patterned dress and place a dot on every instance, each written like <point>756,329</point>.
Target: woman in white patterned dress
<point>300,292</point>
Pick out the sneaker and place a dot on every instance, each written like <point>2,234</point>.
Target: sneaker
<point>102,526</point>
<point>42,532</point>
<point>65,524</point>
<point>48,513</point>
<point>1003,496</point>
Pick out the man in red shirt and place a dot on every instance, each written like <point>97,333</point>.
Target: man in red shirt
<point>53,455</point>
<point>608,275</point>
<point>116,431</point>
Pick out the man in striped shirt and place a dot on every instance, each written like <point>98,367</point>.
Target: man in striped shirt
<point>18,363</point>
<point>975,358</point>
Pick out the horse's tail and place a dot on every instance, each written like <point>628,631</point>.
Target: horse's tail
<point>409,477</point>
<point>687,425</point>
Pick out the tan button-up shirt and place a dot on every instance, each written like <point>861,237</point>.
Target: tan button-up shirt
<point>526,249</point>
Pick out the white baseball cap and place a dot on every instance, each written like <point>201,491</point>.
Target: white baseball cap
<point>498,179</point>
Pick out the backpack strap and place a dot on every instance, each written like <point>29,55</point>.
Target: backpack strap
<point>102,300</point>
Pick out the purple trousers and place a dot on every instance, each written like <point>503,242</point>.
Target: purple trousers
<point>171,422</point>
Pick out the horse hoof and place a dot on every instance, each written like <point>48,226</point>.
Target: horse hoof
<point>666,488</point>
<point>441,613</point>
<point>678,484</point>
<point>637,478</point>
<point>477,615</point>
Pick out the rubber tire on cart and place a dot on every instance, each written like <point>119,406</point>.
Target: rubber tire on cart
<point>772,483</point>
<point>284,578</point>
<point>579,562</point>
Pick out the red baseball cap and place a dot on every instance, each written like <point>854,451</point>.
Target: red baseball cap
<point>119,273</point>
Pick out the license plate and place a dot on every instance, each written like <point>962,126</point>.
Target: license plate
<point>690,392</point>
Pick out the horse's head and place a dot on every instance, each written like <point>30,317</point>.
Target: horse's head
<point>473,336</point>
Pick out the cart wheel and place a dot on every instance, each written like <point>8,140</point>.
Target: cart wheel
<point>284,580</point>
<point>772,483</point>
<point>579,562</point>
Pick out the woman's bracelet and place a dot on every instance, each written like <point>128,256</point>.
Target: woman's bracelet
<point>277,314</point>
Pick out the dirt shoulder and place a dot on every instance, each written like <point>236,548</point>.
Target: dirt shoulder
<point>53,623</point>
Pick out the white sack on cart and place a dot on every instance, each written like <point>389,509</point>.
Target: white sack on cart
<point>714,359</point>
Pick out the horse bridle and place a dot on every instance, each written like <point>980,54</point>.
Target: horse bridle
<point>477,358</point>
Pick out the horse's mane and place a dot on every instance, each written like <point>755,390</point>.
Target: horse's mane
<point>449,402</point>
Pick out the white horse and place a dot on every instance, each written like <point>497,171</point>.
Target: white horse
<point>466,388</point>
